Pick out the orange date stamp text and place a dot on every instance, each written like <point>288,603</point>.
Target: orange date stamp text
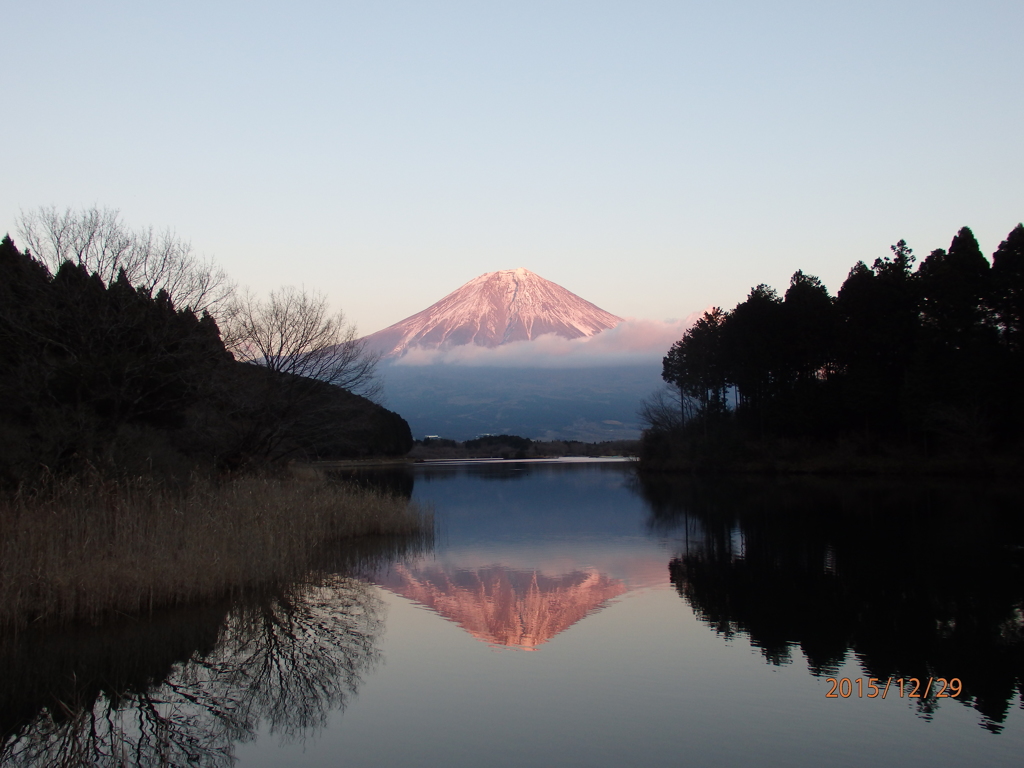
<point>906,687</point>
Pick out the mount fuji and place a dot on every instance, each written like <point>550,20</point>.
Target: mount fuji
<point>494,309</point>
<point>446,369</point>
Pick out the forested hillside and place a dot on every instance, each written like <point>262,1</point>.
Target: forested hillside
<point>109,376</point>
<point>927,360</point>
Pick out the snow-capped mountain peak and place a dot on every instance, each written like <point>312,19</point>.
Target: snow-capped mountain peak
<point>493,309</point>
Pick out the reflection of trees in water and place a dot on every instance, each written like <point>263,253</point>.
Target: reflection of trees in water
<point>201,684</point>
<point>917,580</point>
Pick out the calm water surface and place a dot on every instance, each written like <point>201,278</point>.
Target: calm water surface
<point>570,614</point>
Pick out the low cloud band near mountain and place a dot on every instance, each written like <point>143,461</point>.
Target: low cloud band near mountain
<point>630,342</point>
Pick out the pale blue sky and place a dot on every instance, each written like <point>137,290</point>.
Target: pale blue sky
<point>653,157</point>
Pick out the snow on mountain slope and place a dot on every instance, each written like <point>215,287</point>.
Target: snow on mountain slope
<point>494,309</point>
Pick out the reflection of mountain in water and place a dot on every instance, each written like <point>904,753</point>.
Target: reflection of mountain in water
<point>503,606</point>
<point>918,580</point>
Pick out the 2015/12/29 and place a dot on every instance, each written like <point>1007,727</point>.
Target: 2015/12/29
<point>843,687</point>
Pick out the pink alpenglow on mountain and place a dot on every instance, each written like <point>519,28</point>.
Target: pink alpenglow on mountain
<point>494,309</point>
<point>505,606</point>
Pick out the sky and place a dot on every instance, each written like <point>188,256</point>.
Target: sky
<point>654,158</point>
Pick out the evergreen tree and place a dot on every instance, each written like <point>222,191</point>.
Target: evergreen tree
<point>1008,288</point>
<point>1008,308</point>
<point>878,310</point>
<point>810,322</point>
<point>696,364</point>
<point>753,342</point>
<point>810,327</point>
<point>955,291</point>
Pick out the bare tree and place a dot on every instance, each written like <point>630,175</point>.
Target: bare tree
<point>102,243</point>
<point>293,331</point>
<point>667,409</point>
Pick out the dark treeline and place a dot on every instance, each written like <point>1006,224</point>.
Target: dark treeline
<point>923,356</point>
<point>106,375</point>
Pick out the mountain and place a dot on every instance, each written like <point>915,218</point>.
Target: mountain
<point>542,398</point>
<point>493,309</point>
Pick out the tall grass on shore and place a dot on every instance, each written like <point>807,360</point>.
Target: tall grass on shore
<point>85,549</point>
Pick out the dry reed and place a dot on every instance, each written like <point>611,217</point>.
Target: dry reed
<point>85,549</point>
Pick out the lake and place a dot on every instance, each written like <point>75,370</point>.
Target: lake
<point>569,613</point>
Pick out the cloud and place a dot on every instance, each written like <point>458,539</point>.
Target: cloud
<point>629,343</point>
